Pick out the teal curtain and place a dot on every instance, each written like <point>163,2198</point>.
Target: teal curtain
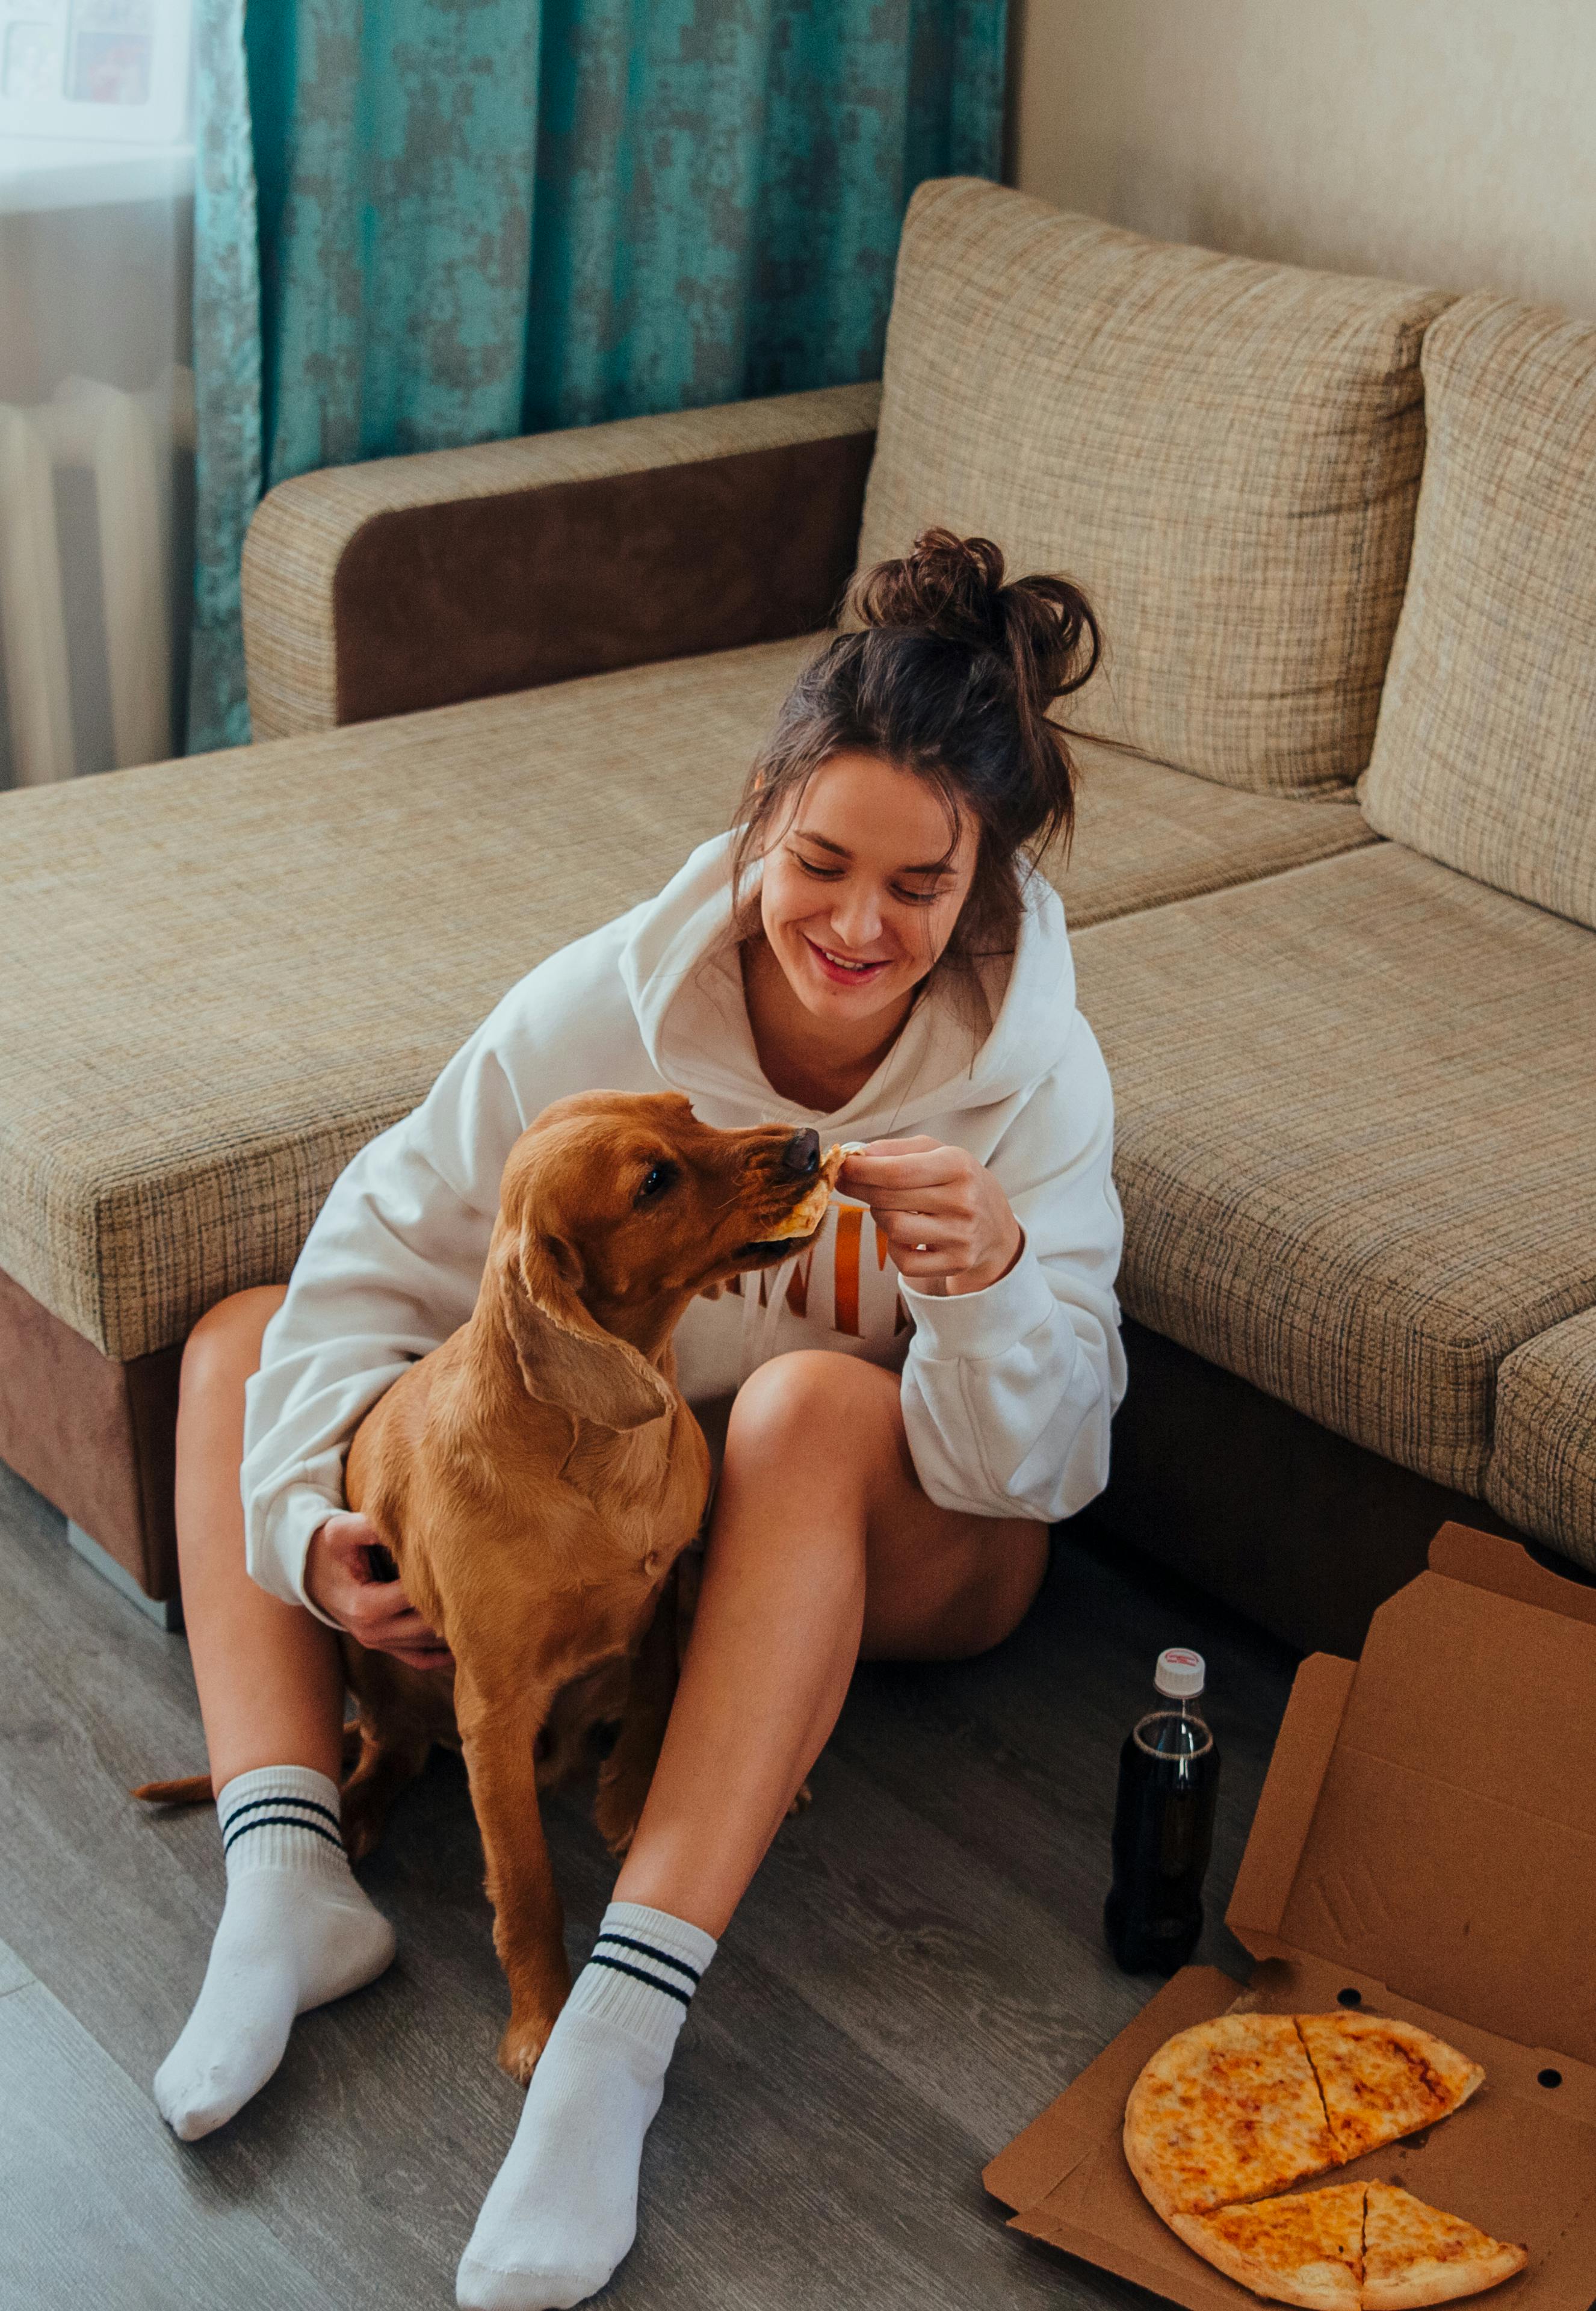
<point>226,373</point>
<point>424,223</point>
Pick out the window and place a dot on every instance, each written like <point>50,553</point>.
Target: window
<point>100,70</point>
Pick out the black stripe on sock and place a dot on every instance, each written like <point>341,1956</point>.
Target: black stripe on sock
<point>254,1805</point>
<point>619,1966</point>
<point>279,1820</point>
<point>647,1949</point>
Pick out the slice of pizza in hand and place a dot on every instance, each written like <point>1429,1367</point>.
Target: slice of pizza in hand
<point>1307,2248</point>
<point>1413,2255</point>
<point>1381,2079</point>
<point>1226,2110</point>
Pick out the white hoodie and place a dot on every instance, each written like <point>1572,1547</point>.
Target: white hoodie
<point>1007,1393</point>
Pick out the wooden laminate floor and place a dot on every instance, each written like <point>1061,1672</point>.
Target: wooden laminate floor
<point>916,1971</point>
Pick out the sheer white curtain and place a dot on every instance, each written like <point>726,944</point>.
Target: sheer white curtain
<point>96,388</point>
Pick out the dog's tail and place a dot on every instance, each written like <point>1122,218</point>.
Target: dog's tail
<point>194,1790</point>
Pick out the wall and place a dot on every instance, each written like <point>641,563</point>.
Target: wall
<point>1449,142</point>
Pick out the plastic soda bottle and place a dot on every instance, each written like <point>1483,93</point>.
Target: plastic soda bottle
<point>1164,1823</point>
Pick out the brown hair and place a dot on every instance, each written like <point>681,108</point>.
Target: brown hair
<point>950,676</point>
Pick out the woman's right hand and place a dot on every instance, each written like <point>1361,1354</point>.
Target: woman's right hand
<point>349,1574</point>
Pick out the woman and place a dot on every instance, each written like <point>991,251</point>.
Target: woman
<point>870,951</point>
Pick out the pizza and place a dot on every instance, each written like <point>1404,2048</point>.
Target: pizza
<point>1228,2114</point>
<point>1381,2079</point>
<point>1413,2255</point>
<point>1307,2248</point>
<point>1352,2246</point>
<point>806,1217</point>
<point>1227,2110</point>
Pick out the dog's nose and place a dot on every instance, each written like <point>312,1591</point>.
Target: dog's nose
<point>801,1154</point>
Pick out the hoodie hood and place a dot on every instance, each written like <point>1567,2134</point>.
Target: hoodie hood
<point>680,969</point>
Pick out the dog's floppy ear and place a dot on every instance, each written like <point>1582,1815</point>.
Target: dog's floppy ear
<point>566,1359</point>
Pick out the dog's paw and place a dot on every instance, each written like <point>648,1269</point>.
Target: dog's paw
<point>616,1810</point>
<point>364,1825</point>
<point>525,2038</point>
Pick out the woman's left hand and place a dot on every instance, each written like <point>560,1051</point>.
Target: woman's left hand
<point>948,1224</point>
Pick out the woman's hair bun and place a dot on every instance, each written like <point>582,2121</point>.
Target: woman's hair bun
<point>953,589</point>
<point>947,669</point>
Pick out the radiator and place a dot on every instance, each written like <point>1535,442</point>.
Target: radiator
<point>125,442</point>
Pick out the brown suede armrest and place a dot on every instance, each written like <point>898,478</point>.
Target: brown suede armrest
<point>416,581</point>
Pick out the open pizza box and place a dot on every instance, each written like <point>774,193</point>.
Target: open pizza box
<point>1424,1847</point>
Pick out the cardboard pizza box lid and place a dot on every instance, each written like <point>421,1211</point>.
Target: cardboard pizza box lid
<point>1420,1850</point>
<point>1429,1815</point>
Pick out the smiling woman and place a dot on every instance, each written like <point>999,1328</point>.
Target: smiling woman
<point>947,688</point>
<point>848,929</point>
<point>910,769</point>
<point>917,1385</point>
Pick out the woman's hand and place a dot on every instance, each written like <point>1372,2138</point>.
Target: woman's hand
<point>350,1574</point>
<point>948,1224</point>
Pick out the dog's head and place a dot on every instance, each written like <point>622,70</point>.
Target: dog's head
<point>614,1211</point>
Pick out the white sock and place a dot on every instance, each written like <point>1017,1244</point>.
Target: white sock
<point>295,1931</point>
<point>562,2211</point>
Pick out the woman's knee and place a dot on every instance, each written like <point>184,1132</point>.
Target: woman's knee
<point>223,1348</point>
<point>813,1399</point>
<point>795,1480</point>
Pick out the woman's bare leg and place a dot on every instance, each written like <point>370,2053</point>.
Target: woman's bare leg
<point>821,1540</point>
<point>295,1929</point>
<point>270,1681</point>
<point>822,1547</point>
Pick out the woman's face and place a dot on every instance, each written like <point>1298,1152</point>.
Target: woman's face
<point>862,887</point>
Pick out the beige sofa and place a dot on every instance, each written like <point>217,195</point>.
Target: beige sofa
<point>1332,892</point>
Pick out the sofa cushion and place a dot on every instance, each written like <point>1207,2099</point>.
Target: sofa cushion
<point>1543,1468</point>
<point>1485,752</point>
<point>1146,834</point>
<point>1355,1111</point>
<point>219,978</point>
<point>1224,454</point>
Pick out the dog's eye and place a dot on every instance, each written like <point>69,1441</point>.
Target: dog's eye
<point>655,1182</point>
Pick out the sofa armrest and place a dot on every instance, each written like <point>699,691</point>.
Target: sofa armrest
<point>411,582</point>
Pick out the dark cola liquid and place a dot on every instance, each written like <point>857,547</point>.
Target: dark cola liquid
<point>1164,1826</point>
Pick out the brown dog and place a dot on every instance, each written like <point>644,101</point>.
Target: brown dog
<point>536,1476</point>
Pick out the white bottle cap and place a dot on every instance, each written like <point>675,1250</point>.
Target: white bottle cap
<point>1180,1673</point>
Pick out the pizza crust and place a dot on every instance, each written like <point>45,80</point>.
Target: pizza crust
<point>1306,2248</point>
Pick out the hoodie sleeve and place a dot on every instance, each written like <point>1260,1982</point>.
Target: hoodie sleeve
<point>394,1262</point>
<point>390,1268</point>
<point>1008,1392</point>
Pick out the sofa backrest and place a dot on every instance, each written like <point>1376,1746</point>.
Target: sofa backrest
<point>1485,753</point>
<point>1224,454</point>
